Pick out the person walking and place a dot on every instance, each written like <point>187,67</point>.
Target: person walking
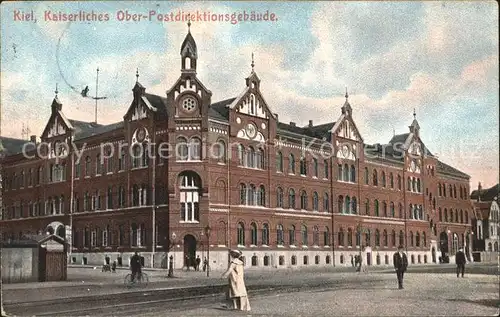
<point>135,266</point>
<point>236,280</point>
<point>460,261</point>
<point>198,262</point>
<point>400,265</point>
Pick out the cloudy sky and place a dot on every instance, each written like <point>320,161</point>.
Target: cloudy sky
<point>438,58</point>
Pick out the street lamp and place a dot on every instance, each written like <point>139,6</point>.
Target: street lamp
<point>171,258</point>
<point>207,233</point>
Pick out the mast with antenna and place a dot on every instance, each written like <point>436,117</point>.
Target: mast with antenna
<point>96,87</point>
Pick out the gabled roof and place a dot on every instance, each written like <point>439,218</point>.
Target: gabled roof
<point>403,138</point>
<point>86,129</point>
<point>13,146</point>
<point>319,131</point>
<point>220,110</point>
<point>33,240</point>
<point>447,169</point>
<point>486,194</point>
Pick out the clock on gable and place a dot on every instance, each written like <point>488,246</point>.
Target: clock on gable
<point>251,130</point>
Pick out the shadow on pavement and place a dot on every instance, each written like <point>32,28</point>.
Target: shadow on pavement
<point>484,302</point>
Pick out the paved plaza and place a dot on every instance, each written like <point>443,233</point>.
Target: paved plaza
<point>424,295</point>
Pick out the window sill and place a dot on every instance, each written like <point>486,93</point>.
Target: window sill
<point>183,221</point>
<point>293,246</point>
<point>188,161</point>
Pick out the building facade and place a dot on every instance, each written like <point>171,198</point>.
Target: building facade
<point>486,220</point>
<point>284,195</point>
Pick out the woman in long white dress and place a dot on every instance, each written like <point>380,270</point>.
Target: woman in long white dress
<point>235,276</point>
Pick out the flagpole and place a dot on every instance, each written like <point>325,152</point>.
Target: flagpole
<point>96,98</point>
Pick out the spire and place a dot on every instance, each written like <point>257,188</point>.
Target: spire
<point>189,24</point>
<point>56,91</point>
<point>56,104</point>
<point>346,108</point>
<point>253,64</point>
<point>137,75</point>
<point>414,114</point>
<point>189,52</point>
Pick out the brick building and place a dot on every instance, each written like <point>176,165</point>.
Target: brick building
<point>486,220</point>
<point>283,194</point>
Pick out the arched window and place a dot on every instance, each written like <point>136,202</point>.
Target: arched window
<point>401,238</point>
<point>440,213</point>
<point>259,158</point>
<point>303,200</point>
<point>315,201</point>
<point>291,164</point>
<point>325,163</point>
<point>326,203</point>
<point>251,157</point>
<point>456,215</point>
<point>280,238</point>
<point>349,237</point>
<point>261,197</point>
<point>326,237</point>
<point>368,237</point>
<point>384,206</point>
<point>417,239</point>
<point>412,242</point>
<point>265,234</point>
<point>391,180</point>
<point>243,194</point>
<point>315,167</point>
<point>466,217</point>
<point>195,149</point>
<point>291,199</point>
<point>377,213</point>
<point>419,190</point>
<point>304,235</point>
<point>383,179</point>
<point>409,187</point>
<point>279,197</point>
<point>340,172</point>
<point>393,212</point>
<point>253,233</point>
<point>341,204</point>
<point>279,162</point>
<point>316,236</point>
<point>399,182</point>
<point>367,207</point>
<point>384,236</point>
<point>251,195</point>
<point>346,173</point>
<point>354,206</point>
<point>340,237</point>
<point>291,235</point>
<point>87,168</point>
<point>367,176</point>
<point>377,238</point>
<point>445,215</point>
<point>358,237</point>
<point>393,238</point>
<point>241,234</point>
<point>461,216</point>
<point>424,239</point>
<point>347,207</point>
<point>182,150</point>
<point>375,178</point>
<point>220,151</point>
<point>440,193</point>
<point>353,174</point>
<point>241,155</point>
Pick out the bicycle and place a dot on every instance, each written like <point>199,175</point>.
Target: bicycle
<point>140,279</point>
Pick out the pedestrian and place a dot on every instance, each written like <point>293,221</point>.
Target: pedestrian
<point>236,281</point>
<point>352,261</point>
<point>400,265</point>
<point>198,262</point>
<point>205,264</point>
<point>460,261</point>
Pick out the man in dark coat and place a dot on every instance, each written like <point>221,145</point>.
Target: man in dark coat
<point>460,261</point>
<point>135,265</point>
<point>400,265</point>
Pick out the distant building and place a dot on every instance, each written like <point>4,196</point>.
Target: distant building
<point>486,220</point>
<point>285,195</point>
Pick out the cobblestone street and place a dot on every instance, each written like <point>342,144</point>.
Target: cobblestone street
<point>424,295</point>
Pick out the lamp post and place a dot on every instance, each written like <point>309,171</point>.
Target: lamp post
<point>207,233</point>
<point>171,258</point>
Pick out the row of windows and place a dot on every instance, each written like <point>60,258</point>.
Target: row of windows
<point>415,241</point>
<point>303,166</point>
<point>250,157</point>
<point>102,237</point>
<point>280,235</point>
<point>304,200</point>
<point>457,217</point>
<point>452,191</point>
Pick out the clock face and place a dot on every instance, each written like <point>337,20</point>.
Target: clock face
<point>251,130</point>
<point>141,134</point>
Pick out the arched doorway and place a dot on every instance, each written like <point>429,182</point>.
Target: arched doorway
<point>61,231</point>
<point>189,250</point>
<point>433,255</point>
<point>443,243</point>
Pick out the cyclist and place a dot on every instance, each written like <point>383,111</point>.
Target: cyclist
<point>135,265</point>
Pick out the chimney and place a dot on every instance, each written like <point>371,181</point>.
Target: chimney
<point>310,123</point>
<point>292,124</point>
<point>33,139</point>
<point>277,118</point>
